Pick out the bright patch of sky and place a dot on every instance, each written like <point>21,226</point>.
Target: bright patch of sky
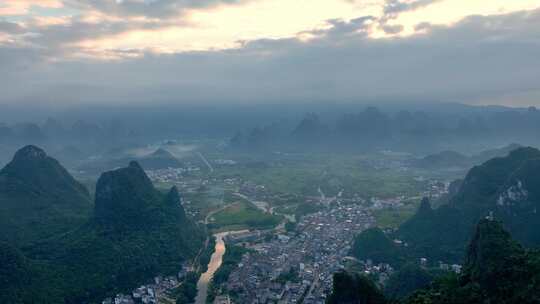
<point>225,26</point>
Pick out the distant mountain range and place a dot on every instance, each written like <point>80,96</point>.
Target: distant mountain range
<point>410,131</point>
<point>133,233</point>
<point>453,159</point>
<point>159,159</point>
<point>342,127</point>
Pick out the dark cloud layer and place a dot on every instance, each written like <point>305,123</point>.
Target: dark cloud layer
<point>478,59</point>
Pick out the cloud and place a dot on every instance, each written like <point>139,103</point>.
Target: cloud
<point>69,24</point>
<point>10,27</point>
<point>393,8</point>
<point>61,37</point>
<point>21,7</point>
<point>392,29</point>
<point>148,8</point>
<point>478,58</point>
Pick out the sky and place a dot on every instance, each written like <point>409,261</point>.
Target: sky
<point>62,52</point>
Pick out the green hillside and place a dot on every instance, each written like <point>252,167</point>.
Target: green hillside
<point>134,234</point>
<point>497,270</point>
<point>508,187</point>
<point>39,198</point>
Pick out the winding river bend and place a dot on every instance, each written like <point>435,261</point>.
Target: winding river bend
<point>213,266</point>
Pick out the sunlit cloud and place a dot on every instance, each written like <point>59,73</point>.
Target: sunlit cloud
<point>40,21</point>
<point>226,27</point>
<point>306,49</point>
<point>104,27</point>
<point>21,7</point>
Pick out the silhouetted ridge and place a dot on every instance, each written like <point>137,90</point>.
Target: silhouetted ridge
<point>38,197</point>
<point>161,153</point>
<point>160,159</point>
<point>508,187</point>
<point>29,153</point>
<point>353,288</point>
<point>425,206</point>
<point>445,159</point>
<point>173,198</point>
<point>32,166</point>
<point>372,244</point>
<point>496,270</point>
<point>124,194</point>
<point>135,165</point>
<point>489,250</point>
<point>524,153</point>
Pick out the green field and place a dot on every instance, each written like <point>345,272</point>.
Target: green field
<point>242,215</point>
<point>394,217</point>
<point>304,174</point>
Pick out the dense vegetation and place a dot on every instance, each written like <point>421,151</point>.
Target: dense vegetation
<point>406,280</point>
<point>353,288</point>
<point>372,244</point>
<point>231,258</point>
<point>206,254</point>
<point>496,270</point>
<point>21,280</point>
<point>508,187</point>
<point>39,198</point>
<point>187,292</point>
<point>135,233</point>
<point>505,188</point>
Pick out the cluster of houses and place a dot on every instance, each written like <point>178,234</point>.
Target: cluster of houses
<point>150,293</point>
<point>297,265</point>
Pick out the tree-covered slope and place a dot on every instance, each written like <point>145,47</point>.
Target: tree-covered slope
<point>23,281</point>
<point>353,288</point>
<point>372,244</point>
<point>406,280</point>
<point>496,270</point>
<point>509,187</point>
<point>39,198</point>
<point>135,233</point>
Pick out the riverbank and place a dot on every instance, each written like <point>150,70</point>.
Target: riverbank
<point>215,262</point>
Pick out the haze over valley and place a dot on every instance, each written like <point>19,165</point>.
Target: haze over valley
<point>269,151</point>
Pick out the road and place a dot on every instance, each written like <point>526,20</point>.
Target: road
<point>206,162</point>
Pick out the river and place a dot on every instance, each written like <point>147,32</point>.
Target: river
<point>213,266</point>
